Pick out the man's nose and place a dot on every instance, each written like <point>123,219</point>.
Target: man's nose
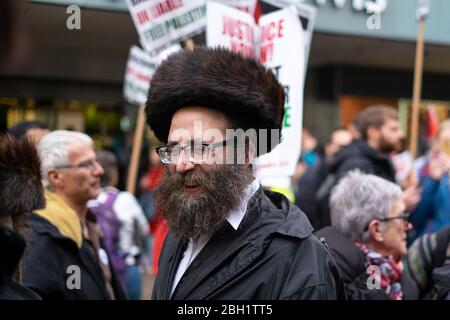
<point>98,169</point>
<point>183,163</point>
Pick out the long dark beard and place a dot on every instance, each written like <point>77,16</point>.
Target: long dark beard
<point>193,215</point>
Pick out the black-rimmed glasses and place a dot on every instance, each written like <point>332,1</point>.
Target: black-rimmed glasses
<point>196,152</point>
<point>404,216</point>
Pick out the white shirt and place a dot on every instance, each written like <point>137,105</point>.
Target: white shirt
<point>133,223</point>
<point>234,218</point>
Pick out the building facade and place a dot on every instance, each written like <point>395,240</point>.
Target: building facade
<point>73,78</point>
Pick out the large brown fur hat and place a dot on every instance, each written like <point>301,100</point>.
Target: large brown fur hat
<point>21,190</point>
<point>242,88</point>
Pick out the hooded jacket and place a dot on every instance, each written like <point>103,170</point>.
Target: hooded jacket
<point>359,155</point>
<point>272,255</point>
<point>59,263</point>
<point>12,246</point>
<point>356,156</point>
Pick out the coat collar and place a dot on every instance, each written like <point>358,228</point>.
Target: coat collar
<point>40,225</point>
<point>62,217</point>
<point>266,214</point>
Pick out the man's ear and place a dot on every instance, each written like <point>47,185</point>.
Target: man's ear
<point>250,152</point>
<point>55,177</point>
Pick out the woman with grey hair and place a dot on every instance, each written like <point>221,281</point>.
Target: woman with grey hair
<point>368,237</point>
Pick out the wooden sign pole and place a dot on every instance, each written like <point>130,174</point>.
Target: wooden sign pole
<point>136,150</point>
<point>417,90</point>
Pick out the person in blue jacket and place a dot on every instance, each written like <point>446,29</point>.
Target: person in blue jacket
<point>433,212</point>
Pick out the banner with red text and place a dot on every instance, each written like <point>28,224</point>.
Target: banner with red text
<point>230,28</point>
<point>282,50</point>
<point>161,23</point>
<point>279,43</point>
<point>139,72</point>
<point>307,14</point>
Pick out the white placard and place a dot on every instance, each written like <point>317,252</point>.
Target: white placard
<point>161,23</point>
<point>138,74</point>
<point>160,57</point>
<point>307,14</point>
<point>282,49</point>
<point>231,28</point>
<point>279,43</point>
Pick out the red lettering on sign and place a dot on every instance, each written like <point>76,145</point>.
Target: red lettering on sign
<point>271,31</point>
<point>266,53</point>
<point>237,29</point>
<point>280,28</point>
<point>242,48</point>
<point>164,7</point>
<point>143,17</point>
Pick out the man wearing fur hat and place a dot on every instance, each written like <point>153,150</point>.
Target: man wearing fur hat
<point>228,239</point>
<point>21,192</point>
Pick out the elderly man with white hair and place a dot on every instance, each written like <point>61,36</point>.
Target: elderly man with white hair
<point>368,237</point>
<point>66,258</point>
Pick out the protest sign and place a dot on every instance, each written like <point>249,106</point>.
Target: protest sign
<point>278,42</point>
<point>138,73</point>
<point>161,23</point>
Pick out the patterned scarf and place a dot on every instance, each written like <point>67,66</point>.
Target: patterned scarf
<point>391,271</point>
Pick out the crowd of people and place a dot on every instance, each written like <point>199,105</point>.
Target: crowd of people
<point>370,216</point>
<point>355,231</point>
<point>80,231</point>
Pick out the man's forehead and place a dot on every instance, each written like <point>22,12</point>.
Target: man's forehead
<point>197,123</point>
<point>207,115</point>
<point>79,149</point>
<point>391,122</point>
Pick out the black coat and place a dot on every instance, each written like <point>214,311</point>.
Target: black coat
<point>351,262</point>
<point>306,189</point>
<point>45,265</point>
<point>273,255</point>
<point>12,246</point>
<point>357,155</point>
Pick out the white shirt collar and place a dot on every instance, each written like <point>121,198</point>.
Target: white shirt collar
<point>235,216</point>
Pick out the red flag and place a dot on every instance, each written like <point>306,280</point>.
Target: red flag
<point>432,123</point>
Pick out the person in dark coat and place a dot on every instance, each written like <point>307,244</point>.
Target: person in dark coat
<point>228,239</point>
<point>66,257</point>
<point>20,193</point>
<point>314,174</point>
<point>381,135</point>
<point>368,238</point>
